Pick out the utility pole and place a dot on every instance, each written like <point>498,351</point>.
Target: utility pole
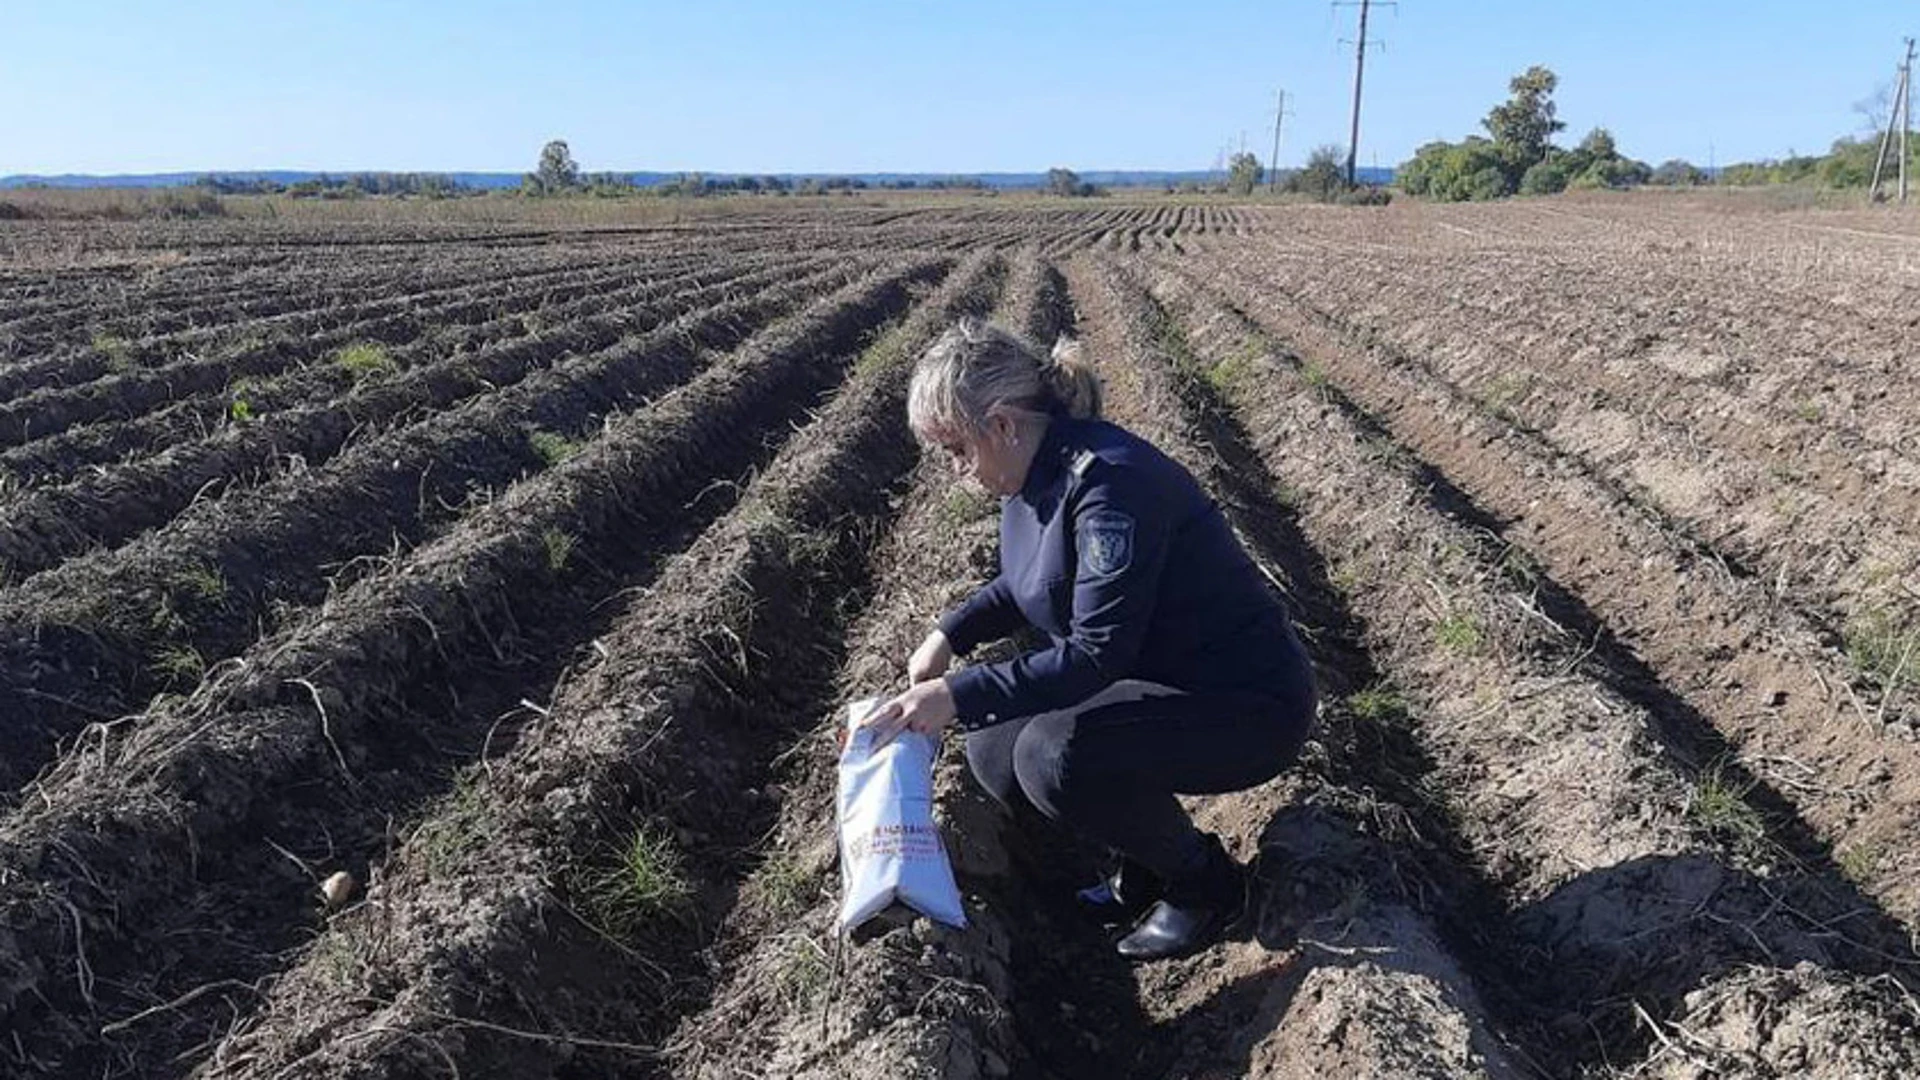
<point>1273,163</point>
<point>1906,117</point>
<point>1901,118</point>
<point>1359,71</point>
<point>1359,75</point>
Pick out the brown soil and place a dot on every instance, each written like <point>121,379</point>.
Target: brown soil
<point>295,540</point>
<point>665,730</point>
<point>1619,878</point>
<point>267,744</point>
<point>109,504</point>
<point>1732,675</point>
<point>1577,501</point>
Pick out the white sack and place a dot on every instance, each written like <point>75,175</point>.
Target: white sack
<point>890,848</point>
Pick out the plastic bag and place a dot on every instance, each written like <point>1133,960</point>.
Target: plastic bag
<point>890,847</point>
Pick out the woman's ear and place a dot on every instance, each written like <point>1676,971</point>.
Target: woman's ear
<point>1001,427</point>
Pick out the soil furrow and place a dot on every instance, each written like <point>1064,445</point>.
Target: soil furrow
<point>792,997</point>
<point>1405,1003</point>
<point>320,742</point>
<point>117,345</point>
<point>1746,478</point>
<point>75,451</point>
<point>134,390</point>
<point>110,505</point>
<point>1712,640</point>
<point>1630,875</point>
<point>95,637</point>
<point>709,676</point>
<point>300,303</point>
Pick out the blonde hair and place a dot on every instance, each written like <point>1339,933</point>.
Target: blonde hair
<point>978,366</point>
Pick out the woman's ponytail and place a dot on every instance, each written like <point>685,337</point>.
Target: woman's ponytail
<point>1071,380</point>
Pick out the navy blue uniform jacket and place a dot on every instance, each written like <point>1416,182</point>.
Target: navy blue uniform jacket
<point>1113,551</point>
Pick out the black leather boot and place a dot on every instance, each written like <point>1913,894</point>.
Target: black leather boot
<point>1123,895</point>
<point>1195,912</point>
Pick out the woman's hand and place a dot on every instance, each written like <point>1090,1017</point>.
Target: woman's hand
<point>931,660</point>
<point>926,708</point>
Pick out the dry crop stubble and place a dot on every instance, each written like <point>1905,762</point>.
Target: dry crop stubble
<point>1740,677</point>
<point>1338,931</point>
<point>65,635</point>
<point>676,728</point>
<point>268,739</point>
<point>1623,884</point>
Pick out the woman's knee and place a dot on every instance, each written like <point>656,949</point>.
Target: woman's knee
<point>990,754</point>
<point>1043,764</point>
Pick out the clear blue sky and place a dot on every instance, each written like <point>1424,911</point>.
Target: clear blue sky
<point>844,85</point>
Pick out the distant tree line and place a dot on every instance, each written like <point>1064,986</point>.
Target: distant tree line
<point>357,185</point>
<point>1518,157</point>
<point>558,174</point>
<point>1848,163</point>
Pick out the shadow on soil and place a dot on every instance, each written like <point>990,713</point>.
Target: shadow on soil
<point>1643,933</point>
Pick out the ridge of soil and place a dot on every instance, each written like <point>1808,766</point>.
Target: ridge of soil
<point>674,731</point>
<point>124,835</point>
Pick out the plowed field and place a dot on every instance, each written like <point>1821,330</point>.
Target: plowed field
<point>522,574</point>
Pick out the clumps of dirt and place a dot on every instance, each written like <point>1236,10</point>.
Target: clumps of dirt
<point>1798,1022</point>
<point>489,943</point>
<point>1344,976</point>
<point>911,998</point>
<point>143,844</point>
<point>1240,1008</point>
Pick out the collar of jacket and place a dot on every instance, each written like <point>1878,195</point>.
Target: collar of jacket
<point>1050,460</point>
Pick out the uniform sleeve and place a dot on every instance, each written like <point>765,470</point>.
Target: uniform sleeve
<point>988,615</point>
<point>1121,537</point>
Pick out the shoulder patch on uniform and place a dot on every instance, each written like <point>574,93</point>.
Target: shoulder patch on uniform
<point>1106,543</point>
<point>1080,463</point>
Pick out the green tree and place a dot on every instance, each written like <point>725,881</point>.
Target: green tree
<point>1472,170</point>
<point>557,171</point>
<point>1547,177</point>
<point>1850,163</point>
<point>1677,173</point>
<point>1599,145</point>
<point>1325,174</point>
<point>1067,182</point>
<point>1523,127</point>
<point>1243,173</point>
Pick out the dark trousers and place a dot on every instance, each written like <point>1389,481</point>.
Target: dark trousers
<point>1109,768</point>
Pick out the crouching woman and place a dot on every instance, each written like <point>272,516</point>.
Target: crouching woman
<point>1171,668</point>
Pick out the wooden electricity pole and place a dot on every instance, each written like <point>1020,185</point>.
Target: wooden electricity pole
<point>1359,75</point>
<point>1273,163</point>
<point>1901,119</point>
<point>1359,72</point>
<point>1906,117</point>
